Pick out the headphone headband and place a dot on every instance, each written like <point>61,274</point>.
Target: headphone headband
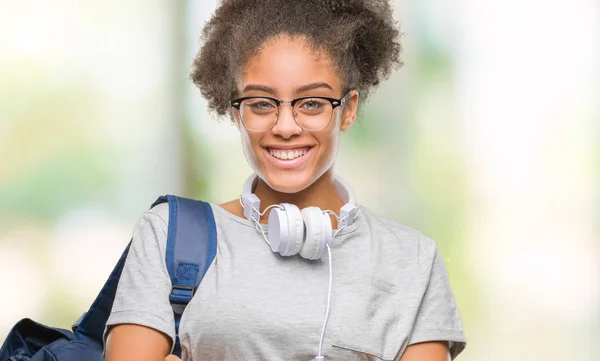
<point>249,184</point>
<point>344,190</point>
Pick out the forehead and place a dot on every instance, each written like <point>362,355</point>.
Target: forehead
<point>285,63</point>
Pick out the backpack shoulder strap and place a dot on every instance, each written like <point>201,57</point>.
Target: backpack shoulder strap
<point>191,248</point>
<point>90,326</point>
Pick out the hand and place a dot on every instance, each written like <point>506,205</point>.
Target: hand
<point>172,358</point>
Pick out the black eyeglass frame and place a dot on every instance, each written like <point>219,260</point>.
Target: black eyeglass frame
<point>236,103</point>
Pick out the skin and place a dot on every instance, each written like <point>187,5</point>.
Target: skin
<point>283,67</point>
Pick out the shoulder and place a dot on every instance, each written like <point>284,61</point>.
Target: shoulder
<point>158,213</point>
<point>152,227</point>
<point>406,243</point>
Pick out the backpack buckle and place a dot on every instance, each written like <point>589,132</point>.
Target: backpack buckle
<point>180,296</point>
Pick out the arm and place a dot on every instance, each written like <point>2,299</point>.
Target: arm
<point>438,321</point>
<point>172,358</point>
<point>129,342</point>
<point>141,326</point>
<point>427,351</point>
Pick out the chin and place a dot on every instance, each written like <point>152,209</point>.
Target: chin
<point>288,182</point>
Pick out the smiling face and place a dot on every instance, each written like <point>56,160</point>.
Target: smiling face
<point>288,158</point>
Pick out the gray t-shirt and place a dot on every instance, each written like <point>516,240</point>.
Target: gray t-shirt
<point>390,290</point>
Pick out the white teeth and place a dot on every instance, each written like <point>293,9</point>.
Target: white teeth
<point>292,154</point>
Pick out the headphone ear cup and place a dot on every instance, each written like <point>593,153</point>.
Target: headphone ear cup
<point>286,230</point>
<point>278,229</point>
<point>296,230</point>
<point>318,233</point>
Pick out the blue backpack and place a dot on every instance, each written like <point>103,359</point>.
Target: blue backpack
<point>191,248</point>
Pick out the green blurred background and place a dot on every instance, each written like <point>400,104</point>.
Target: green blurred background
<point>487,141</point>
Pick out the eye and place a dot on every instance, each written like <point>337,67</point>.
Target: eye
<point>261,104</point>
<point>312,104</point>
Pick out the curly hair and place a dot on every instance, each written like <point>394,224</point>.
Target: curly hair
<point>360,36</point>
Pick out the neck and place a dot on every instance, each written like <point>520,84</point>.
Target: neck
<point>321,193</point>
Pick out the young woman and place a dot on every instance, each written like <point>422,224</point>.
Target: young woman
<point>291,74</point>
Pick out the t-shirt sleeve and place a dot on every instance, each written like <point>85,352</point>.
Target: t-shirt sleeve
<point>142,295</point>
<point>438,318</point>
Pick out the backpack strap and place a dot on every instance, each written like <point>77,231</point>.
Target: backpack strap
<point>191,248</point>
<point>90,326</point>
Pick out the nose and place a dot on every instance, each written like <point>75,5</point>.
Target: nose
<point>286,125</point>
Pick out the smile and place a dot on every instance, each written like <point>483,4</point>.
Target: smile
<point>286,154</point>
<point>288,158</point>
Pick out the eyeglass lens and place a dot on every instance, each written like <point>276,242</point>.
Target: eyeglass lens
<point>262,113</point>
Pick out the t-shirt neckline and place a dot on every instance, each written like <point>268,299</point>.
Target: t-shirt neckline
<point>351,228</point>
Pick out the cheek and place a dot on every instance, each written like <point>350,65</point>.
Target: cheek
<point>248,143</point>
<point>332,137</point>
<point>329,148</point>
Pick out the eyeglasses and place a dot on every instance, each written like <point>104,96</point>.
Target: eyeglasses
<point>260,114</point>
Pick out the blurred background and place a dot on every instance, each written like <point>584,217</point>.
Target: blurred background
<point>487,140</point>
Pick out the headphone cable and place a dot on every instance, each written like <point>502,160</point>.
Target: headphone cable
<point>320,356</point>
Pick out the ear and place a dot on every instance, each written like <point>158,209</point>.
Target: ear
<point>349,110</point>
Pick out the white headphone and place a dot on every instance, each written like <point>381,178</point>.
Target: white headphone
<point>291,230</point>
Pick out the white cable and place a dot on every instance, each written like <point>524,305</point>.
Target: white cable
<point>262,232</point>
<point>257,224</point>
<point>332,213</point>
<point>258,210</point>
<point>269,207</point>
<point>320,356</point>
<point>341,219</point>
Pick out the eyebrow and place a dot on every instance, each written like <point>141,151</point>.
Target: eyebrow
<point>263,88</point>
<point>301,89</point>
<point>313,86</point>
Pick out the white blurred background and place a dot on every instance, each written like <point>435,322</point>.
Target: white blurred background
<point>487,140</point>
